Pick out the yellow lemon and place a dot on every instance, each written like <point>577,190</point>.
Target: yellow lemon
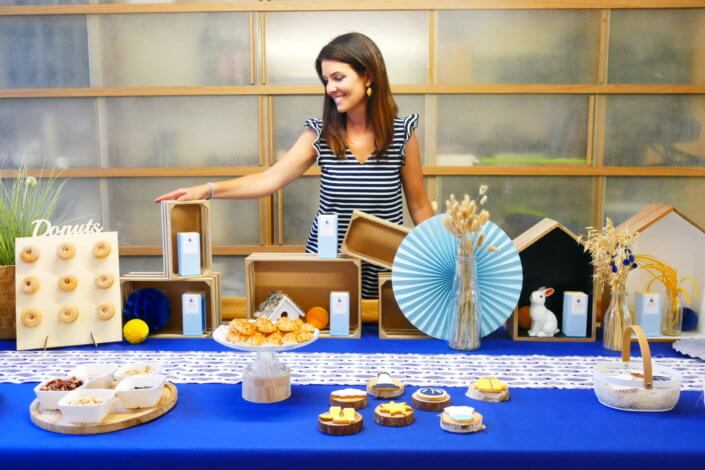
<point>135,331</point>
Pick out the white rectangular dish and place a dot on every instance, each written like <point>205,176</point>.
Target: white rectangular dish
<point>87,405</point>
<point>141,391</point>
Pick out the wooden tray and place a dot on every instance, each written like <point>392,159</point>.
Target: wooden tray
<point>51,420</point>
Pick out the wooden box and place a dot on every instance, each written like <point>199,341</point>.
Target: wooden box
<point>373,239</point>
<point>190,216</point>
<point>392,322</point>
<point>307,280</point>
<point>551,256</point>
<point>209,284</point>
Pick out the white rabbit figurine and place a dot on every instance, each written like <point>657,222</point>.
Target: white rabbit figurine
<point>543,321</point>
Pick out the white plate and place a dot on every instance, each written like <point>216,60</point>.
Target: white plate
<point>222,331</point>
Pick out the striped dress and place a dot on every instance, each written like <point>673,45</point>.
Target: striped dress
<point>373,187</point>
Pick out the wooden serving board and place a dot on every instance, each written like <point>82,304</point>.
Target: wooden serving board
<point>120,418</point>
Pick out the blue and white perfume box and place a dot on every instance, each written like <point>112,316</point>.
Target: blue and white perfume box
<point>328,236</point>
<point>575,314</point>
<point>648,311</point>
<point>193,311</point>
<point>188,245</point>
<point>339,313</point>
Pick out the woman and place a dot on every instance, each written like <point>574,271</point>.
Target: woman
<point>365,152</point>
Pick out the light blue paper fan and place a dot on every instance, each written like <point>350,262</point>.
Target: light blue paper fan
<point>424,268</point>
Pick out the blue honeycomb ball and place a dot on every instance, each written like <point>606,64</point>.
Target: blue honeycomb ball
<point>150,305</point>
<point>690,319</point>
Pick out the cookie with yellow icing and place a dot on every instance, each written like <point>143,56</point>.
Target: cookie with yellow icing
<point>488,389</point>
<point>339,421</point>
<point>394,414</point>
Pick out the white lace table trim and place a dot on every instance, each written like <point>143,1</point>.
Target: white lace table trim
<point>448,370</point>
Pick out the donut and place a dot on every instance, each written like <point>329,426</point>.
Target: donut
<point>31,317</point>
<point>65,250</point>
<point>68,314</point>
<point>105,311</point>
<point>67,283</point>
<point>30,285</point>
<point>29,254</point>
<point>104,280</point>
<point>101,249</point>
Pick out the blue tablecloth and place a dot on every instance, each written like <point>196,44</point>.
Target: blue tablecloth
<point>212,426</point>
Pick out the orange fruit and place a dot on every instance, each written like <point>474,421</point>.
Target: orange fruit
<point>524,318</point>
<point>317,317</point>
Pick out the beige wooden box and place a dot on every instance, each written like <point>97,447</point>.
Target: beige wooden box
<point>189,216</point>
<point>209,284</point>
<point>392,322</point>
<point>307,280</point>
<point>373,239</point>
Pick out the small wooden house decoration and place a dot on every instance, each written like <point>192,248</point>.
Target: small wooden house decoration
<point>673,238</point>
<point>551,256</point>
<point>276,305</point>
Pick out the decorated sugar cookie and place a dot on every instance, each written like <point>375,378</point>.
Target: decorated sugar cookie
<point>461,419</point>
<point>339,421</point>
<point>488,389</point>
<point>384,386</point>
<point>394,414</point>
<point>430,399</point>
<point>349,397</point>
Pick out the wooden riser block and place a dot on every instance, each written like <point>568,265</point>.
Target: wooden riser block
<point>266,390</point>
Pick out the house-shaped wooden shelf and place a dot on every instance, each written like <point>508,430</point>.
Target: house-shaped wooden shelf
<point>551,256</point>
<point>670,236</point>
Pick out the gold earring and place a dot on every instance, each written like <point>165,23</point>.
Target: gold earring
<point>369,91</point>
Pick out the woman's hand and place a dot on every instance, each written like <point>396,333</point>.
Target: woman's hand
<point>194,193</point>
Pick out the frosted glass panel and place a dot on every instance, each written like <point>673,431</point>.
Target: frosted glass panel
<point>492,46</point>
<point>656,130</point>
<point>300,203</point>
<point>48,133</point>
<point>138,219</point>
<point>43,52</point>
<point>232,269</point>
<point>294,40</point>
<point>516,203</point>
<point>626,196</point>
<point>290,112</point>
<point>141,264</point>
<point>657,46</point>
<point>511,130</point>
<point>80,203</point>
<point>181,131</point>
<point>172,49</point>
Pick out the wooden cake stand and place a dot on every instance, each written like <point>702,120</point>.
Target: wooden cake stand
<point>120,418</point>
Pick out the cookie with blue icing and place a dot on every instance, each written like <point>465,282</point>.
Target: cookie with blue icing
<point>430,399</point>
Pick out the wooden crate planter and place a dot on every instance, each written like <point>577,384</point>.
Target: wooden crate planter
<point>307,280</point>
<point>372,239</point>
<point>552,257</point>
<point>190,216</point>
<point>673,238</point>
<point>209,284</point>
<point>392,322</point>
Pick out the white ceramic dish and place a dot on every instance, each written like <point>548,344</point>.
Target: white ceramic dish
<point>87,413</point>
<point>138,368</point>
<point>141,397</point>
<point>49,399</point>
<point>100,375</point>
<point>220,334</point>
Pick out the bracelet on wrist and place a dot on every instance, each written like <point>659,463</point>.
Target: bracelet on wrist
<point>211,190</point>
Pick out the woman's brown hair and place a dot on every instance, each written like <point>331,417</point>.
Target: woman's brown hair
<point>363,55</point>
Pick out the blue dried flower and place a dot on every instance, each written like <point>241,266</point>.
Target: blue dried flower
<point>631,258</point>
<point>626,262</point>
<point>634,266</point>
<point>614,268</point>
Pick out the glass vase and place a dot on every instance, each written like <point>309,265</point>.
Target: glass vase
<point>672,324</point>
<point>464,334</point>
<point>615,320</point>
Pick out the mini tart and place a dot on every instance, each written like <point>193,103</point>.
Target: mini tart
<point>488,389</point>
<point>339,421</point>
<point>462,426</point>
<point>392,392</point>
<point>347,399</point>
<point>394,414</point>
<point>430,399</point>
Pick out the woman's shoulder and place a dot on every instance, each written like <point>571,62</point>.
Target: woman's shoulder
<point>406,121</point>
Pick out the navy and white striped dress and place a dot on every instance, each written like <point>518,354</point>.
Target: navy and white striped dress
<point>373,187</point>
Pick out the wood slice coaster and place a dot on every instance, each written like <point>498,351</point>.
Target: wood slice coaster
<point>462,427</point>
<point>493,397</point>
<point>120,418</point>
<point>430,399</point>
<point>337,429</point>
<point>352,402</point>
<point>385,393</point>
<point>394,414</point>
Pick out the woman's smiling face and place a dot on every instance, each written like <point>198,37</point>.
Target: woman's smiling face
<point>344,85</point>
